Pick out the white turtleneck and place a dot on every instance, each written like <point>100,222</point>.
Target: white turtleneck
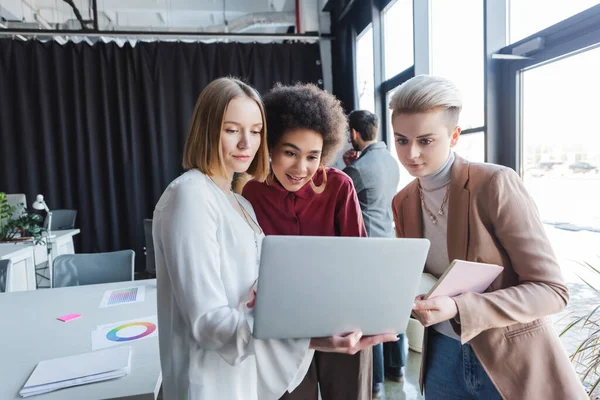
<point>434,189</point>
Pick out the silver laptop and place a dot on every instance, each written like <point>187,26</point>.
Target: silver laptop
<point>324,286</point>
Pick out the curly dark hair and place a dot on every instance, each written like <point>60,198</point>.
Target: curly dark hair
<point>305,106</point>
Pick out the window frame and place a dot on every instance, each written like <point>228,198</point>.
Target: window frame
<point>573,35</point>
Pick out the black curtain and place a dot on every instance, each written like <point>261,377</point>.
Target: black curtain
<point>101,128</point>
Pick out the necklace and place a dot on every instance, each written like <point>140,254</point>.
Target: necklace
<point>427,210</point>
<point>247,217</point>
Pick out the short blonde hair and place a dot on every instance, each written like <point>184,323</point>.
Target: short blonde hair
<point>425,93</point>
<point>202,149</point>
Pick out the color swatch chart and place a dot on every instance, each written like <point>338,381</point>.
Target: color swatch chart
<point>121,296</point>
<point>128,295</point>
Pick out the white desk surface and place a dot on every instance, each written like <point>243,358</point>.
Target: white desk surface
<point>56,235</point>
<point>31,333</point>
<point>10,250</point>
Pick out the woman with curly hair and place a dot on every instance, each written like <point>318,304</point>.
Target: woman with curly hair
<point>301,196</point>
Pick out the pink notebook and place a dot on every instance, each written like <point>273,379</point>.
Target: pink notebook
<point>463,277</point>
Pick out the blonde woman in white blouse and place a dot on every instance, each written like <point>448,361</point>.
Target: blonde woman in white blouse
<point>207,245</point>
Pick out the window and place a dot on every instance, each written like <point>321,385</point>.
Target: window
<point>398,37</point>
<point>561,148</point>
<point>457,53</point>
<point>471,146</point>
<point>561,169</point>
<point>530,16</point>
<point>365,85</point>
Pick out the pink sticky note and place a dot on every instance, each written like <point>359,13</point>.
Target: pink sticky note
<point>68,317</point>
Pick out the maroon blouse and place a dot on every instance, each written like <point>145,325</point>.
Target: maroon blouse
<point>335,212</point>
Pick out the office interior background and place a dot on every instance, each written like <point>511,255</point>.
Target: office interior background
<point>96,97</point>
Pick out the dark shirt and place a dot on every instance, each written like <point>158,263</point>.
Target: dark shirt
<point>335,212</point>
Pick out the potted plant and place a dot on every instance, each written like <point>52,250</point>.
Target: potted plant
<point>586,358</point>
<point>17,224</point>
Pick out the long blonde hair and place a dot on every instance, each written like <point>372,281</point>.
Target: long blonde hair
<point>203,144</point>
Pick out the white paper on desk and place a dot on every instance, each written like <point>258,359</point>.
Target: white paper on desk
<point>124,332</point>
<point>78,370</point>
<point>129,295</point>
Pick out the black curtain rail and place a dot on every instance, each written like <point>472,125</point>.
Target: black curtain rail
<point>162,34</point>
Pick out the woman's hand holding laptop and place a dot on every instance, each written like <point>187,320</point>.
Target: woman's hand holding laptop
<point>252,301</point>
<point>351,343</point>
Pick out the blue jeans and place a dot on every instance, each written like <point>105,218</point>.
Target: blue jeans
<point>453,372</point>
<point>390,357</point>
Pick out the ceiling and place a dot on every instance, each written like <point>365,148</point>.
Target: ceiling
<point>227,16</point>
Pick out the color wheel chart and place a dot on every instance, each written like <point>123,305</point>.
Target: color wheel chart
<point>113,334</point>
<point>124,332</point>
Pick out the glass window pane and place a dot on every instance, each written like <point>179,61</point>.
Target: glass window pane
<point>365,84</point>
<point>561,154</point>
<point>561,170</point>
<point>471,146</point>
<point>530,16</point>
<point>398,37</point>
<point>457,52</point>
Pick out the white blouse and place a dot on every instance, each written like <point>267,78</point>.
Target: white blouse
<point>206,263</point>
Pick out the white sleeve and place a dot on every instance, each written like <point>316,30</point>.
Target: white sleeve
<point>188,237</point>
<point>187,233</point>
<point>281,365</point>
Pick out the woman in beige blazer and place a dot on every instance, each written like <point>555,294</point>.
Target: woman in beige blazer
<point>499,344</point>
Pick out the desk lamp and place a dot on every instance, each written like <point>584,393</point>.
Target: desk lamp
<point>39,204</point>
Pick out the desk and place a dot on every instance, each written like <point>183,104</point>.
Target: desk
<point>23,266</point>
<point>33,334</point>
<point>62,242</point>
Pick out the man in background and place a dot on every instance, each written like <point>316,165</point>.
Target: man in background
<point>375,174</point>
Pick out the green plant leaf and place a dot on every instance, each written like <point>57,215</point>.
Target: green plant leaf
<point>571,325</point>
<point>590,266</point>
<point>586,282</point>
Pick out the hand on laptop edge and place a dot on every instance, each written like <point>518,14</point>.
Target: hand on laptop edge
<point>351,343</point>
<point>252,301</point>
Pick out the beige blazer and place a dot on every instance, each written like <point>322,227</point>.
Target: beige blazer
<point>492,219</point>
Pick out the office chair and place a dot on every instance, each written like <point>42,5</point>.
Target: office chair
<point>90,269</point>
<point>62,220</point>
<point>4,275</point>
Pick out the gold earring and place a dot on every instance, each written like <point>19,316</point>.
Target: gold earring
<point>321,188</point>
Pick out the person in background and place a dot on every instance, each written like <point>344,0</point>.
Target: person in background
<point>303,197</point>
<point>207,249</point>
<point>375,174</point>
<point>494,345</point>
